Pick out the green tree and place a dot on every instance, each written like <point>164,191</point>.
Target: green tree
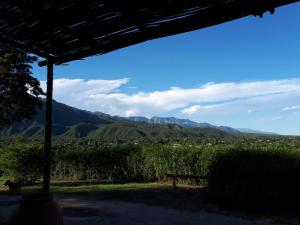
<point>19,91</point>
<point>22,161</point>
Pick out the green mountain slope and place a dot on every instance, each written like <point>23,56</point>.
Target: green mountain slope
<point>70,122</point>
<point>64,119</point>
<point>133,131</point>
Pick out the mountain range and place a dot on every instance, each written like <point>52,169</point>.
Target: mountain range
<point>191,124</point>
<point>70,122</point>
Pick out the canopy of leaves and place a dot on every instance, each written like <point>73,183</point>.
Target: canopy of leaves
<point>22,161</point>
<point>19,91</point>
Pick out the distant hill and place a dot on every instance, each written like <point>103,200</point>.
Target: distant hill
<point>65,118</point>
<point>250,131</point>
<point>191,124</point>
<point>172,120</point>
<point>70,122</point>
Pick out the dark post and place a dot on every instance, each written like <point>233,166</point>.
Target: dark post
<point>48,128</point>
<point>174,181</point>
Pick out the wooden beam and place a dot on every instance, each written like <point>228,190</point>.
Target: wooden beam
<point>220,12</point>
<point>24,47</point>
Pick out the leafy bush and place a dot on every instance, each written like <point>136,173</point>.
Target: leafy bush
<point>158,160</point>
<point>255,174</point>
<point>257,177</point>
<point>93,162</point>
<point>22,162</point>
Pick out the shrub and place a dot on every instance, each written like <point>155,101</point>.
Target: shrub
<point>93,162</point>
<point>256,175</point>
<point>256,178</point>
<point>158,160</point>
<point>22,162</point>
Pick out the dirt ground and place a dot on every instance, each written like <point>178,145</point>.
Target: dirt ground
<point>91,212</point>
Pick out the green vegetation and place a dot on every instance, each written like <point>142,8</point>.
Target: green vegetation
<point>246,171</point>
<point>260,173</point>
<point>22,162</point>
<point>261,178</point>
<point>18,89</point>
<point>71,123</point>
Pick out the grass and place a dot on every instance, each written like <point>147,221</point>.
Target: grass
<point>2,181</point>
<point>155,194</point>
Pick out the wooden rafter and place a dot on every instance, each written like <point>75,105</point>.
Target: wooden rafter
<point>66,30</point>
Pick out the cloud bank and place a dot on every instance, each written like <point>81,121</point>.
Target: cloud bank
<point>110,96</point>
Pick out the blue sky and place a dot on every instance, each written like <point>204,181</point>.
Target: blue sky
<point>244,73</point>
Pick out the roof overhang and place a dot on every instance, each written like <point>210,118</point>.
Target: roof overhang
<point>64,30</point>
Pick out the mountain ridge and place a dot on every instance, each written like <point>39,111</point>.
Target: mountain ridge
<point>192,124</point>
<point>70,122</point>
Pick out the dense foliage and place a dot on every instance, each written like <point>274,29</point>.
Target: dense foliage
<point>22,162</point>
<point>260,178</point>
<point>19,91</point>
<point>104,162</point>
<point>259,169</point>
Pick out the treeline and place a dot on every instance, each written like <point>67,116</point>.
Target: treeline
<point>129,162</point>
<point>265,172</point>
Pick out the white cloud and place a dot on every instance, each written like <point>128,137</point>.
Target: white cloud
<point>196,108</point>
<point>288,108</point>
<point>105,96</point>
<point>85,87</point>
<point>77,92</point>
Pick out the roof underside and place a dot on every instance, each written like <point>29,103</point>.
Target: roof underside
<point>66,30</point>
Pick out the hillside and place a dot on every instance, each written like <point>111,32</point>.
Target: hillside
<point>70,122</point>
<point>65,118</point>
<point>191,124</point>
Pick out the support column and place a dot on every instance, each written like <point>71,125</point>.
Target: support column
<point>48,128</point>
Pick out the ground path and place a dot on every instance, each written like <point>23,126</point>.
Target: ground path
<point>78,211</point>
